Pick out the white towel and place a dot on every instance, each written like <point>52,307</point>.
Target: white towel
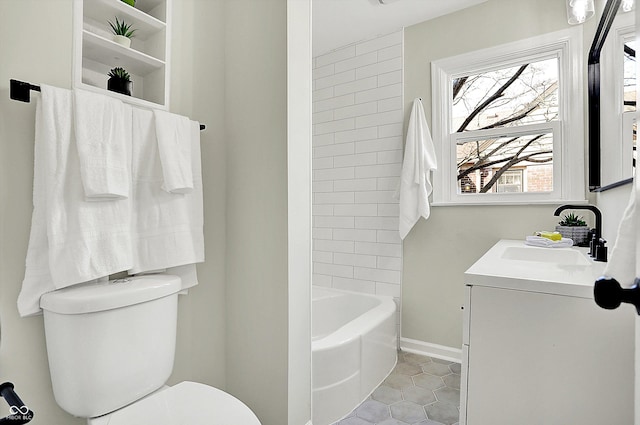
<point>548,243</point>
<point>174,146</point>
<point>415,180</point>
<point>103,138</point>
<point>624,261</point>
<point>72,240</point>
<point>168,228</point>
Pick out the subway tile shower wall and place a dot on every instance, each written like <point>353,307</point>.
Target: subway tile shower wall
<point>357,158</point>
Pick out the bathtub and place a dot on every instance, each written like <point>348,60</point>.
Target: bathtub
<point>354,348</point>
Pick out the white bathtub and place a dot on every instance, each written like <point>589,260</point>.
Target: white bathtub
<point>354,349</point>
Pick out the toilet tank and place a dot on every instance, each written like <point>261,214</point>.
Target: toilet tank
<point>110,343</point>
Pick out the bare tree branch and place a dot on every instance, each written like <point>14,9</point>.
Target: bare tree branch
<point>458,83</point>
<point>496,95</point>
<point>511,163</point>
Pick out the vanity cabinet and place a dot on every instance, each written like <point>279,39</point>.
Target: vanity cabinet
<point>147,60</point>
<point>542,352</point>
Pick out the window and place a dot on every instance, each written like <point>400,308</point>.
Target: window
<point>508,121</point>
<point>510,181</point>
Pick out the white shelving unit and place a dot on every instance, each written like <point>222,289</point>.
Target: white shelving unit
<point>147,60</point>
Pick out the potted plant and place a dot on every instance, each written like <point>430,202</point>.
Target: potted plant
<point>119,81</point>
<point>131,3</point>
<point>574,227</point>
<point>122,32</point>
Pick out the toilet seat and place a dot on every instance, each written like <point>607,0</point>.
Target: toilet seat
<point>187,403</point>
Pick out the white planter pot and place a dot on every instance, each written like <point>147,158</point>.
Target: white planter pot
<point>121,39</point>
<point>579,234</point>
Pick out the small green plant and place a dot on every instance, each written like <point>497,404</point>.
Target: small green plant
<point>572,220</point>
<point>122,28</point>
<point>119,74</point>
<point>130,2</point>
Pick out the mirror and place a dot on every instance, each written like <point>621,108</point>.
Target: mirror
<point>611,79</point>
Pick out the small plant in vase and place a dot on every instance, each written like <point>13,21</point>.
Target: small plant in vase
<point>574,227</point>
<point>122,32</point>
<point>119,81</point>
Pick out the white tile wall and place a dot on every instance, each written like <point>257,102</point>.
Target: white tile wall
<point>357,157</point>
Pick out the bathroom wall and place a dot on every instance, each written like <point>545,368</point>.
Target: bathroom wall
<point>236,315</point>
<point>268,302</point>
<point>357,157</point>
<point>43,56</point>
<point>438,251</point>
<point>197,85</point>
<point>38,56</point>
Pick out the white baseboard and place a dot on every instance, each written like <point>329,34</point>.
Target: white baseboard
<point>432,350</point>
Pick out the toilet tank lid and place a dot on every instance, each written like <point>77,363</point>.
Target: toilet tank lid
<point>107,295</point>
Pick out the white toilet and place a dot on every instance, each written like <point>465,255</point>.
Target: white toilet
<point>111,347</point>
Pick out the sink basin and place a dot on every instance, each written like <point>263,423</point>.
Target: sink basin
<point>558,256</point>
<point>510,264</point>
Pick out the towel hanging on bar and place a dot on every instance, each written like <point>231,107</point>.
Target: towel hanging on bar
<point>21,91</point>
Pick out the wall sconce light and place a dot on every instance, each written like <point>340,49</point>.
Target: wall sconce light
<point>578,11</point>
<point>627,5</point>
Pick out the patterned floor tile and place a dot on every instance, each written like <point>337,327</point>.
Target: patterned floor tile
<point>418,395</point>
<point>443,412</point>
<point>420,391</point>
<point>430,382</point>
<point>373,411</point>
<point>387,395</point>
<point>408,412</point>
<point>452,381</point>
<point>437,369</point>
<point>448,395</point>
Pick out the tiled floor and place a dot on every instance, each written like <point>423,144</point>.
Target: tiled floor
<point>420,390</point>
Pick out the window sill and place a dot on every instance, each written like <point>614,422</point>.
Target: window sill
<point>508,203</point>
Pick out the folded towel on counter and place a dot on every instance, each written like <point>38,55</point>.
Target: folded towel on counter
<point>419,160</point>
<point>167,228</point>
<point>173,133</point>
<point>548,243</point>
<point>103,139</point>
<point>72,240</point>
<point>624,261</point>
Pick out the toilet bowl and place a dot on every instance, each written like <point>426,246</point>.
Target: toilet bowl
<point>185,403</point>
<point>111,347</point>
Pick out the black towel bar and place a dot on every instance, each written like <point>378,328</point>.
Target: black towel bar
<point>21,91</point>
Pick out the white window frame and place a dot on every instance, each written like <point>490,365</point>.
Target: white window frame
<point>615,124</point>
<point>568,130</point>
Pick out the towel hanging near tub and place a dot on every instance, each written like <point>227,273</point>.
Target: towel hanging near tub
<point>415,178</point>
<point>103,137</point>
<point>72,240</point>
<point>167,227</point>
<point>174,148</point>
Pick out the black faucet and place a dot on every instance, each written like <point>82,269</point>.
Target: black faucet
<point>597,248</point>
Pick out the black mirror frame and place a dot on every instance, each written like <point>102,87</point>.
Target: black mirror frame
<point>593,72</point>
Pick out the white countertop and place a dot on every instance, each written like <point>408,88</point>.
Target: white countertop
<point>539,272</point>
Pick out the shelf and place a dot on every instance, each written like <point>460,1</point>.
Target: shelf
<point>128,99</point>
<point>100,49</point>
<point>147,60</point>
<point>107,10</point>
<point>156,8</point>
